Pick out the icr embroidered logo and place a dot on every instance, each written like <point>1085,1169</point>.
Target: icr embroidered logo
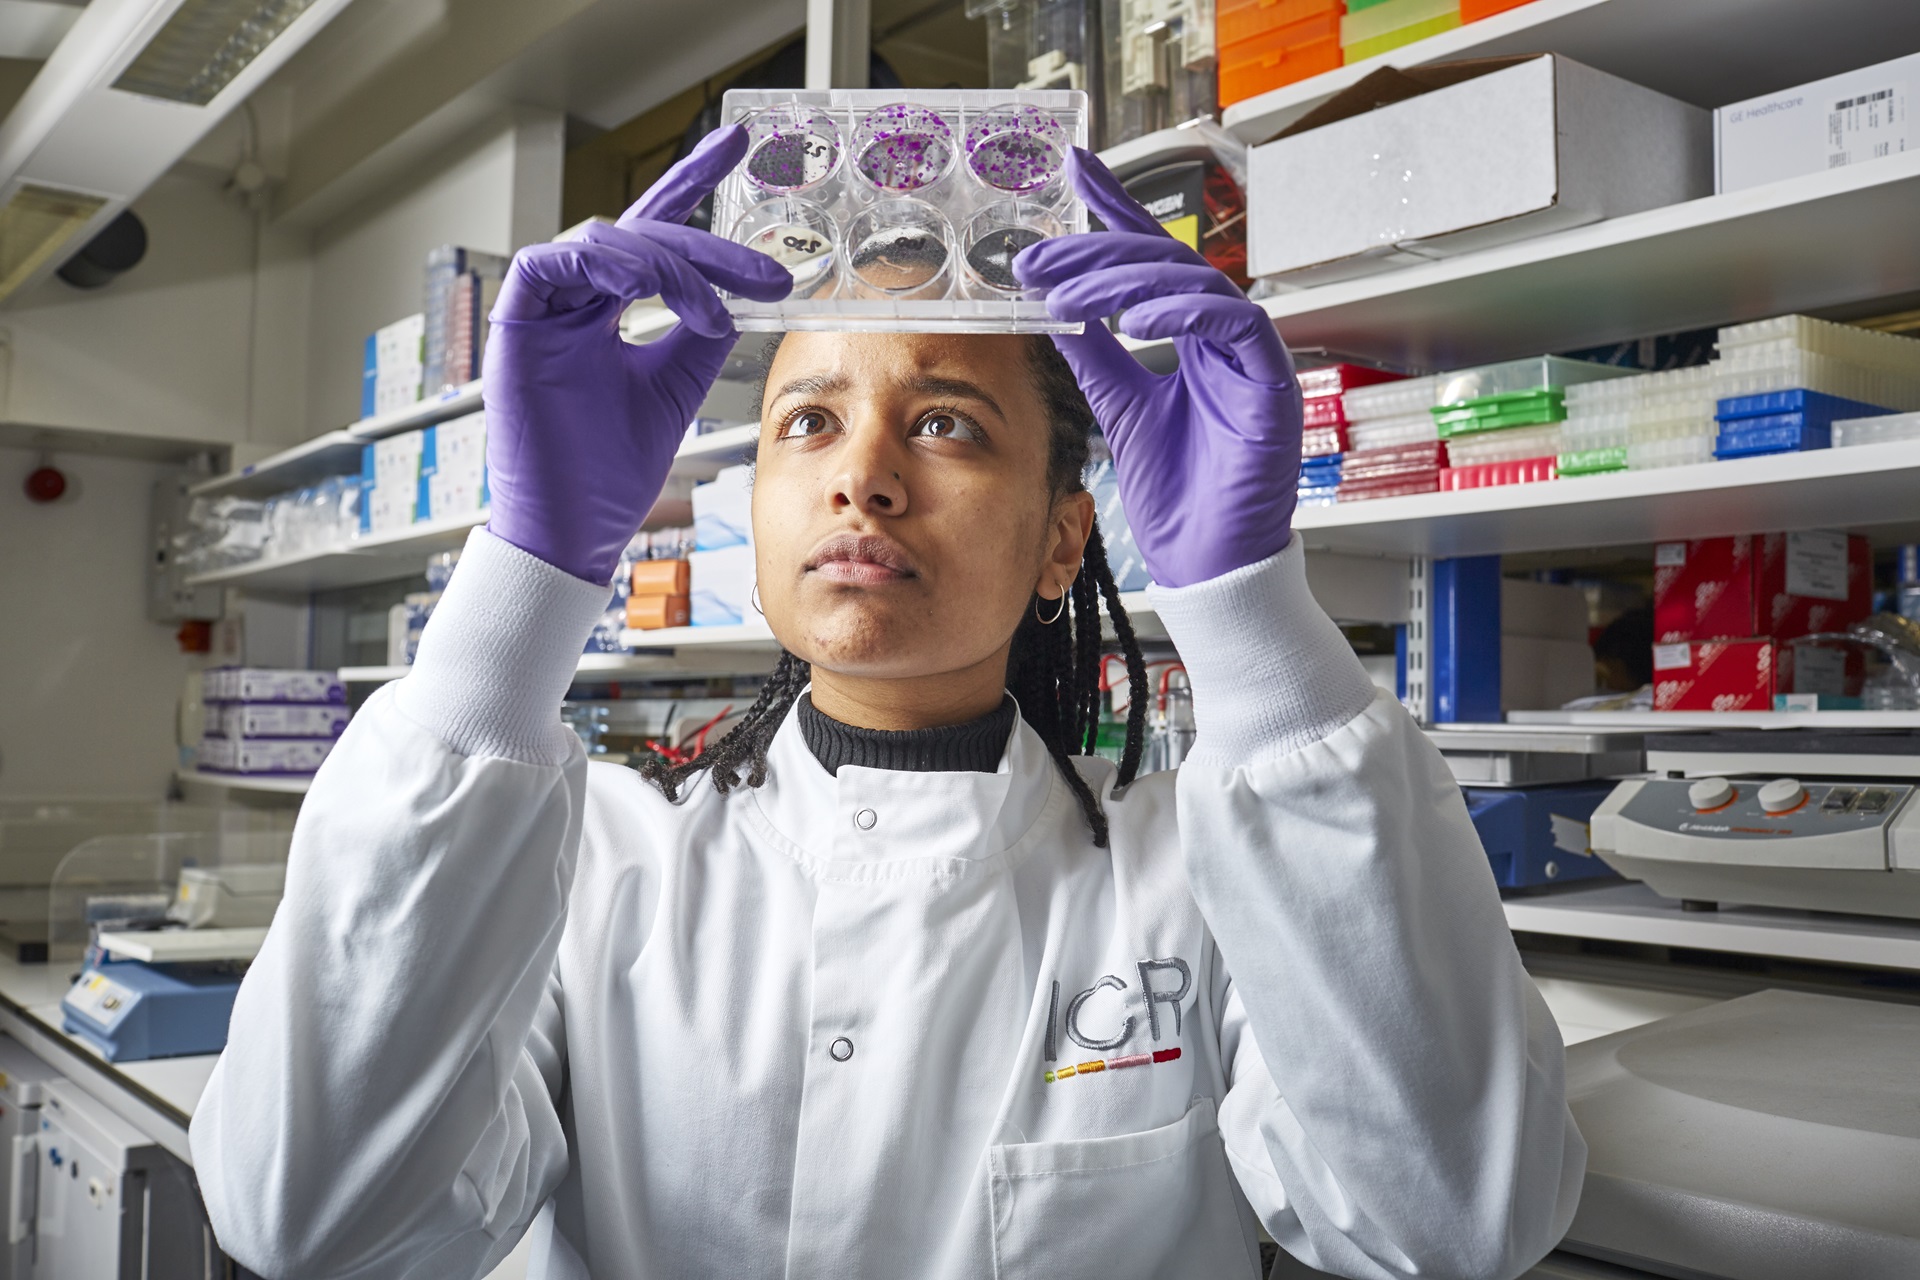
<point>1153,999</point>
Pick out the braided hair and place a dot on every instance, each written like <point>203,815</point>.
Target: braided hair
<point>1053,671</point>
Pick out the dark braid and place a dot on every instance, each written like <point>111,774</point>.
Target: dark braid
<point>1053,670</point>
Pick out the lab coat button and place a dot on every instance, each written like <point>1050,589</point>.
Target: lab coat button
<point>865,818</point>
<point>841,1049</point>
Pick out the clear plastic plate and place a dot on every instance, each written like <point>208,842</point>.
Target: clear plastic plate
<point>902,209</point>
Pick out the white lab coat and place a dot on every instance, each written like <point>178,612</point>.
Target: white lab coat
<point>817,1029</point>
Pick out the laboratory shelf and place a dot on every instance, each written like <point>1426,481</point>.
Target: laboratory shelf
<point>1634,721</point>
<point>263,783</point>
<point>336,452</point>
<point>378,558</point>
<point>402,553</point>
<point>611,668</point>
<point>1707,52</point>
<point>1801,244</point>
<point>1636,914</point>
<point>1868,485</point>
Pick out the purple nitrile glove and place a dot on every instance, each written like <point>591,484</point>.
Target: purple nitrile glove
<point>581,425</point>
<point>1208,457</point>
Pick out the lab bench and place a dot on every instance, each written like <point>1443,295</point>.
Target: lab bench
<point>156,1096</point>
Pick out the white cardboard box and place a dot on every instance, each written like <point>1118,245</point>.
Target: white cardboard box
<point>1511,148</point>
<point>1824,124</point>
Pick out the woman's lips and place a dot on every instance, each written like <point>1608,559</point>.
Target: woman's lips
<point>862,573</point>
<point>860,561</point>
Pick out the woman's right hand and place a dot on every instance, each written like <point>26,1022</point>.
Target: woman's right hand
<point>581,425</point>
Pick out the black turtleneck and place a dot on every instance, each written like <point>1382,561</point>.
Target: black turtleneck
<point>974,747</point>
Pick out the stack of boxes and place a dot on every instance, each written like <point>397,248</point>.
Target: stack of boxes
<point>461,285</point>
<point>657,594</point>
<point>1393,445</point>
<point>1781,422</point>
<point>436,473</point>
<point>1725,611</point>
<point>1843,372</point>
<point>1372,27</point>
<point>1501,421</point>
<point>391,372</point>
<point>1325,441</point>
<point>261,720</point>
<point>1647,420</point>
<point>721,569</point>
<point>1263,44</point>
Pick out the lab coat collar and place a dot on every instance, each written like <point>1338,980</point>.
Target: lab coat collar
<point>878,823</point>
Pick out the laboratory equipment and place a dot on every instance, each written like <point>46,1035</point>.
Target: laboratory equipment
<point>1820,820</point>
<point>1782,422</point>
<point>1040,44</point>
<point>895,215</point>
<point>1263,44</point>
<point>1538,835</point>
<point>112,1204</point>
<point>1160,68</point>
<point>23,1087</point>
<point>1770,1137</point>
<point>1501,755</point>
<point>131,1010</point>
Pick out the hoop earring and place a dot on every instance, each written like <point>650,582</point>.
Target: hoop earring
<point>754,599</point>
<point>1047,622</point>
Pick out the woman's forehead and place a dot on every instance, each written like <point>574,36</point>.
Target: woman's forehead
<point>869,362</point>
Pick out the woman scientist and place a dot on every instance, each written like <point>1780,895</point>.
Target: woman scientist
<point>894,987</point>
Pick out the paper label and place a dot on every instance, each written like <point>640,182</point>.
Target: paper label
<point>99,997</point>
<point>1819,670</point>
<point>1669,555</point>
<point>1866,126</point>
<point>1817,565</point>
<point>1672,657</point>
<point>1570,835</point>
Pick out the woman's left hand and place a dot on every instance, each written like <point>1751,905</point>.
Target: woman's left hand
<point>1208,457</point>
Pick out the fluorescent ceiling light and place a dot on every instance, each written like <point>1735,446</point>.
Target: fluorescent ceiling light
<point>204,45</point>
<point>35,224</point>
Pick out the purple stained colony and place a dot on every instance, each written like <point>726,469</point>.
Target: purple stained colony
<point>792,160</point>
<point>903,148</point>
<point>1016,149</point>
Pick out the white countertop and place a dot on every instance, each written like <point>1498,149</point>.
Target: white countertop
<point>157,1096</point>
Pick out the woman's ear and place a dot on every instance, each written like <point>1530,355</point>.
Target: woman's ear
<point>1066,542</point>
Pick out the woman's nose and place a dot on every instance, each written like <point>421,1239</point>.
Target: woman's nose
<point>870,481</point>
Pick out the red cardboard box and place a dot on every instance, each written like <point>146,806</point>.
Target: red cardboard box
<point>1814,581</point>
<point>1777,584</point>
<point>1713,675</point>
<point>1703,590</point>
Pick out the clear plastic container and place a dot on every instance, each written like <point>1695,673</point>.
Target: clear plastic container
<point>1392,399</point>
<point>902,210</point>
<point>1381,433</point>
<point>1536,373</point>
<point>1897,426</point>
<point>1504,446</point>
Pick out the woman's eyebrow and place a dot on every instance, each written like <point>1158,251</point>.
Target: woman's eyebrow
<point>928,384</point>
<point>812,385</point>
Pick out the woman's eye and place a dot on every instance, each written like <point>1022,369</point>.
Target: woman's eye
<point>945,426</point>
<point>808,422</point>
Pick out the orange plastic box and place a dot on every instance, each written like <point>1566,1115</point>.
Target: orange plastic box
<point>1254,67</point>
<point>651,613</point>
<point>1240,20</point>
<point>1470,10</point>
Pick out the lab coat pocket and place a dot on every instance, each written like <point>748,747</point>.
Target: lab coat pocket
<point>1158,1203</point>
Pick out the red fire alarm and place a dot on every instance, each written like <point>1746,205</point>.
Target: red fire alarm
<point>46,484</point>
